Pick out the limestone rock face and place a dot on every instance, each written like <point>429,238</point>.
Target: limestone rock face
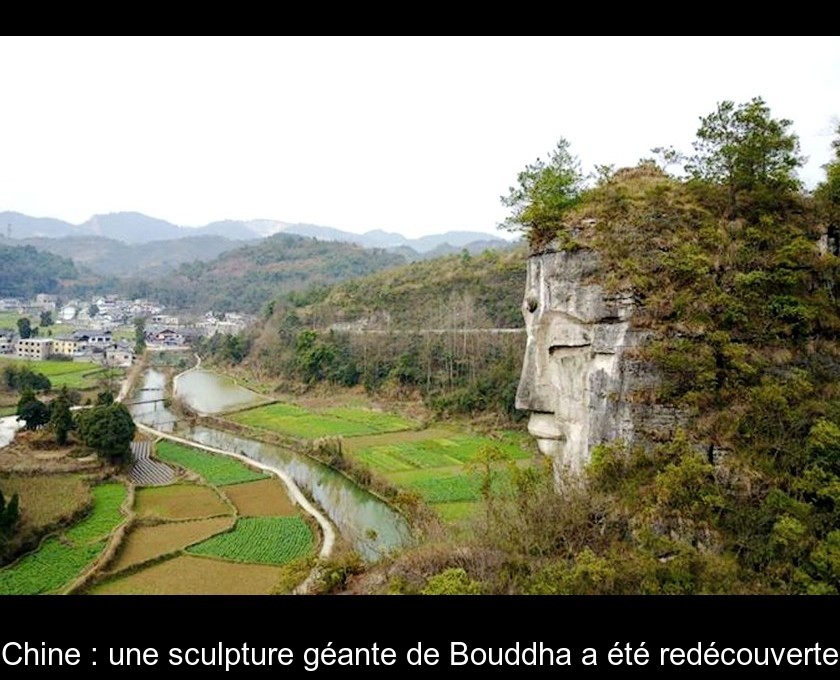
<point>579,372</point>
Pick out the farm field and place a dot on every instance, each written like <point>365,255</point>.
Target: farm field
<point>439,464</point>
<point>46,500</point>
<point>178,502</point>
<point>190,575</point>
<point>62,558</point>
<point>263,498</point>
<point>73,374</point>
<point>216,469</point>
<point>261,540</point>
<point>297,421</point>
<point>212,552</point>
<point>147,542</point>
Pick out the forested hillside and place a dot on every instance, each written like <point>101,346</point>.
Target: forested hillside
<point>247,278</point>
<point>25,272</point>
<point>448,329</point>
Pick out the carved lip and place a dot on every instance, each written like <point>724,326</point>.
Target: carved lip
<point>545,426</point>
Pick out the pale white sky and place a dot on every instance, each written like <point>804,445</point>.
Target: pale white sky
<point>415,135</point>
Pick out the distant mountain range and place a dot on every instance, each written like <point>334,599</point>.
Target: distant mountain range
<point>136,228</point>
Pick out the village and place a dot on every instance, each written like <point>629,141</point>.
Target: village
<point>104,329</point>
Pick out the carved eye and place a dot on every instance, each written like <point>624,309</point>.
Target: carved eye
<point>531,303</point>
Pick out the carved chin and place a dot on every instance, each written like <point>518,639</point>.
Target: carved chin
<point>553,448</point>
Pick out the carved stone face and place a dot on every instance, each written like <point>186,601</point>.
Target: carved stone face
<point>574,334</point>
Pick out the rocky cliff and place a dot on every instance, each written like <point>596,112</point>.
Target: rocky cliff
<point>582,377</point>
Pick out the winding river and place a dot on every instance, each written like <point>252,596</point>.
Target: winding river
<point>370,526</point>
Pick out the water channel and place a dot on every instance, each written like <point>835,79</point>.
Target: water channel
<point>371,526</point>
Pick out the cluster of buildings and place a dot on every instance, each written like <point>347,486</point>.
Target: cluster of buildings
<point>83,330</point>
<point>81,345</point>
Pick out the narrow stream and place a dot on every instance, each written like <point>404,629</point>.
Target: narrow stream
<point>372,527</point>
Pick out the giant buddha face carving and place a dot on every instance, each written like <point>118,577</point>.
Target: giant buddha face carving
<point>573,335</point>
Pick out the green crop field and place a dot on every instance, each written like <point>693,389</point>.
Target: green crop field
<point>441,467</point>
<point>298,422</point>
<point>216,469</point>
<point>52,368</point>
<point>47,570</point>
<point>260,540</point>
<point>74,374</point>
<point>437,452</point>
<point>61,559</point>
<point>449,486</point>
<point>378,421</point>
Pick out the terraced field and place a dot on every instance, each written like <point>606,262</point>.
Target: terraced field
<point>62,558</point>
<point>263,498</point>
<point>195,545</point>
<point>191,575</point>
<point>147,542</point>
<point>179,501</point>
<point>46,500</point>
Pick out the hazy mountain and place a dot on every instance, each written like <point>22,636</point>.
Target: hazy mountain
<point>105,256</point>
<point>131,227</point>
<point>377,238</point>
<point>134,227</point>
<point>230,229</point>
<point>19,225</point>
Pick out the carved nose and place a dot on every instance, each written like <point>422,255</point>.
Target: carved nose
<point>533,392</point>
